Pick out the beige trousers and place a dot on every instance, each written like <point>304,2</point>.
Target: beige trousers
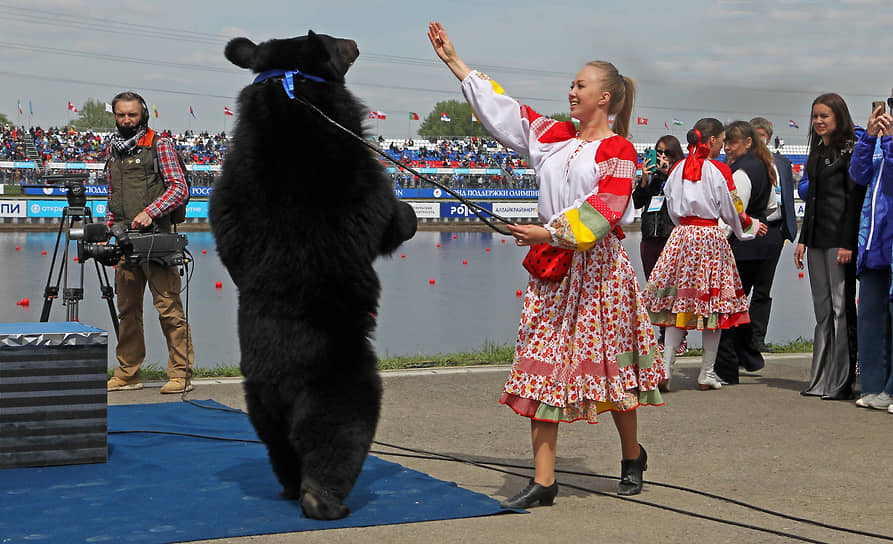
<point>164,284</point>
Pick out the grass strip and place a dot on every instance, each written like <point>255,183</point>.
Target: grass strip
<point>490,354</point>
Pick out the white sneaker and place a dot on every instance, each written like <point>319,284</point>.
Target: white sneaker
<point>865,400</point>
<point>881,401</point>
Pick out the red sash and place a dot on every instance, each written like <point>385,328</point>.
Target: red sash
<point>698,222</point>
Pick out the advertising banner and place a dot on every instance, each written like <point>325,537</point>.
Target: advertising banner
<point>98,207</point>
<point>457,209</point>
<point>197,208</point>
<point>426,210</point>
<point>13,208</point>
<point>45,191</point>
<point>509,194</point>
<point>75,165</point>
<point>99,190</point>
<point>520,210</point>
<point>46,208</point>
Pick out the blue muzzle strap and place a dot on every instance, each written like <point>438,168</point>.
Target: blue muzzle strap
<point>288,79</point>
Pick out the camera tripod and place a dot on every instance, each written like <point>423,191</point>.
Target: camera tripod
<point>71,296</point>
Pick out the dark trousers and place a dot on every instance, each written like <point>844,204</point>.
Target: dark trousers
<point>650,250</point>
<point>761,300</point>
<point>875,331</point>
<point>736,345</point>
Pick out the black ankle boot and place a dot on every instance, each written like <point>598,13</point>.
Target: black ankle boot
<point>631,474</point>
<point>532,493</point>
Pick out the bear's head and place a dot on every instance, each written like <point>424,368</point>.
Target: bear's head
<point>314,54</point>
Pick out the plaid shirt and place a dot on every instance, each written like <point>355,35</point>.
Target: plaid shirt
<point>171,176</point>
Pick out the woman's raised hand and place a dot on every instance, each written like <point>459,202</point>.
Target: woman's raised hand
<point>442,45</point>
<point>441,42</point>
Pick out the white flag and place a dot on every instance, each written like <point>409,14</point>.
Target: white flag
<point>108,108</point>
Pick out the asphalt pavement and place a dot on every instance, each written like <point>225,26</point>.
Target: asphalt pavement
<point>758,442</point>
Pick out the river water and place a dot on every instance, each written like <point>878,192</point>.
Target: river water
<point>472,301</point>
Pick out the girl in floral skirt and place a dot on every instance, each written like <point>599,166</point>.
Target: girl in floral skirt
<point>585,344</point>
<point>695,284</point>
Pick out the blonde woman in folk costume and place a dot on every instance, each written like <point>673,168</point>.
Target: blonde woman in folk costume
<point>585,344</point>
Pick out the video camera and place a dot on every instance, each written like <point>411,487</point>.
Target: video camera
<point>165,249</point>
<point>76,194</point>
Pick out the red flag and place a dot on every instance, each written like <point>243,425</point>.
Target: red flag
<point>666,126</point>
<point>71,107</point>
<point>641,120</point>
<point>227,111</point>
<point>413,116</point>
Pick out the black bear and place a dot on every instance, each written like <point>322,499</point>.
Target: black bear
<point>299,214</point>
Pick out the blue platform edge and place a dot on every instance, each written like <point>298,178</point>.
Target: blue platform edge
<point>162,488</point>
<point>50,327</point>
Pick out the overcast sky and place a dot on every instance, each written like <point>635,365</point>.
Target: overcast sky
<point>730,59</point>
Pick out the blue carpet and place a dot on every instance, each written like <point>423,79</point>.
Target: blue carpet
<point>158,488</point>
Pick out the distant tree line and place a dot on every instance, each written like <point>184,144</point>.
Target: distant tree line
<point>460,122</point>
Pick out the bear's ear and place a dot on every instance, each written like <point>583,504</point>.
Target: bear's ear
<point>241,52</point>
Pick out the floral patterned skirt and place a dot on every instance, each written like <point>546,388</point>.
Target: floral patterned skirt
<point>695,283</point>
<point>585,344</point>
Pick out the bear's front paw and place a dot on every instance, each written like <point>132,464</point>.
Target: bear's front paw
<point>318,504</point>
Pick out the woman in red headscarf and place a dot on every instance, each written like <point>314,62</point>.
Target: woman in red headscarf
<point>695,284</point>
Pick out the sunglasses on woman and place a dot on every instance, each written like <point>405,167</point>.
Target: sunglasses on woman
<point>666,152</point>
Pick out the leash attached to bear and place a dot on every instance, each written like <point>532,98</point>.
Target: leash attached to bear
<point>288,77</point>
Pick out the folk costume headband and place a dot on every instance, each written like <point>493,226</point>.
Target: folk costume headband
<point>695,161</point>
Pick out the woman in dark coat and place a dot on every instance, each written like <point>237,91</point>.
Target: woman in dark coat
<point>829,238</point>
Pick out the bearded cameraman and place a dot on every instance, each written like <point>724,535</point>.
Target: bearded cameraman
<point>145,184</point>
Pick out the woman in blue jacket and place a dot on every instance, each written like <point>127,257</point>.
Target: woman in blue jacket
<point>872,166</point>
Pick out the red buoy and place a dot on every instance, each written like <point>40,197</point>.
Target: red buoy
<point>488,249</point>
<point>204,252</point>
<point>503,240</point>
<point>438,245</point>
<point>455,237</point>
<point>464,262</point>
<point>403,255</point>
<point>219,285</point>
<point>800,275</point>
<point>44,252</point>
<point>17,248</point>
<point>26,302</point>
<point>431,281</point>
<point>518,293</point>
<point>75,258</point>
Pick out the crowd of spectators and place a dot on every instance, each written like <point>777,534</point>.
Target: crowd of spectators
<point>12,146</point>
<point>56,144</point>
<point>472,153</point>
<point>65,145</point>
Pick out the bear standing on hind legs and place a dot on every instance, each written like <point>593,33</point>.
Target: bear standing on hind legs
<point>299,215</point>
